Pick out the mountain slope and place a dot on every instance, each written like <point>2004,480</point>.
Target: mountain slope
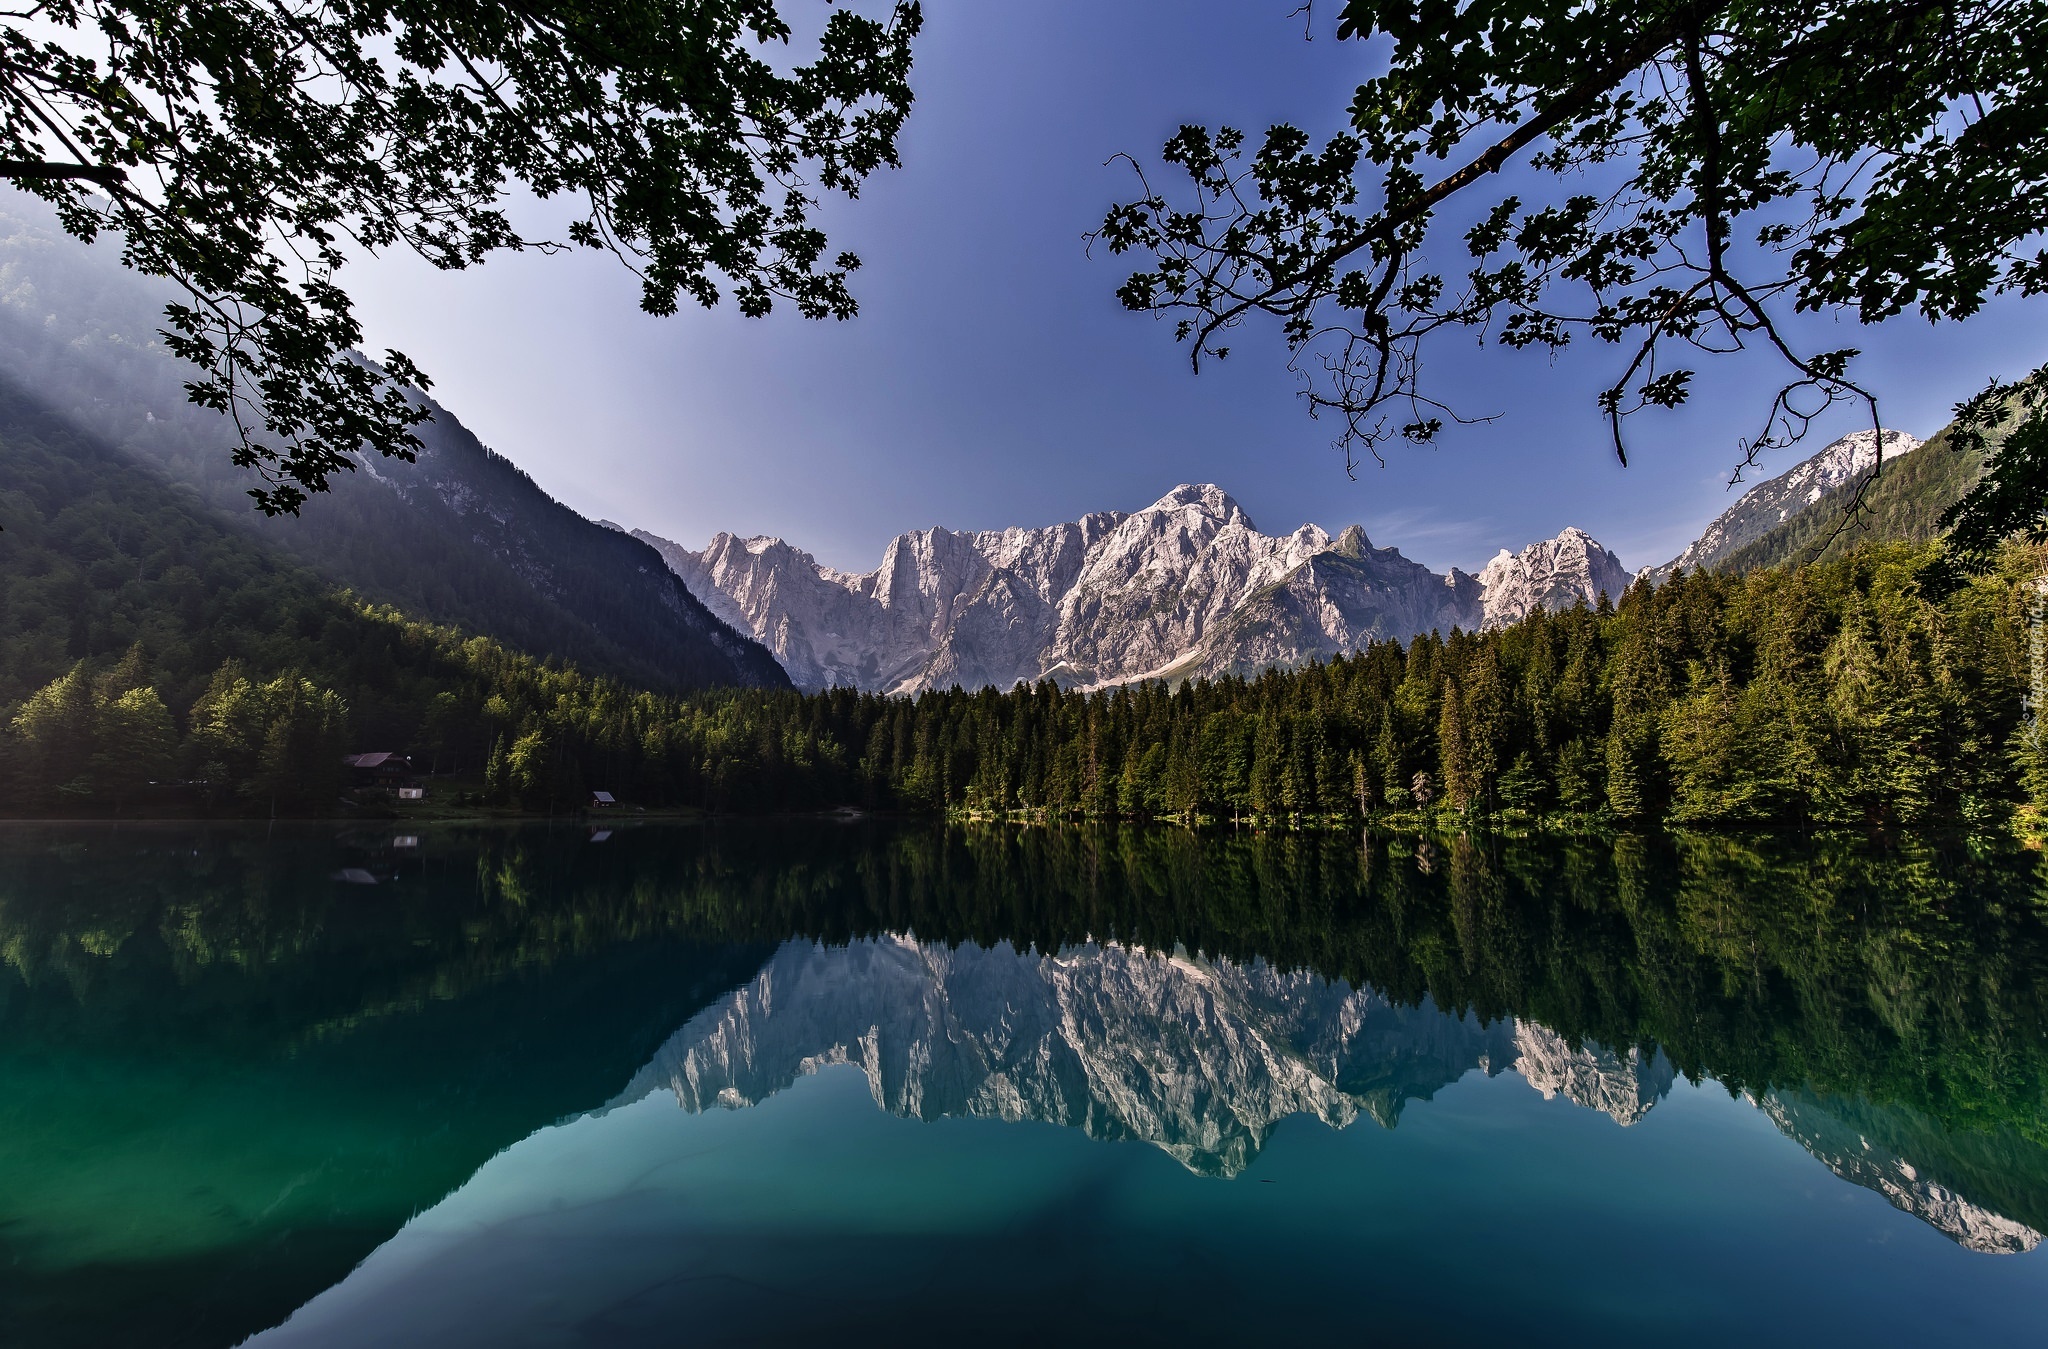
<point>1767,509</point>
<point>1904,505</point>
<point>461,537</point>
<point>99,556</point>
<point>1348,594</point>
<point>1185,587</point>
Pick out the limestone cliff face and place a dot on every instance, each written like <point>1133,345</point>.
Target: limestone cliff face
<point>1554,574</point>
<point>1186,586</point>
<point>1163,580</point>
<point>1198,1058</point>
<point>944,607</point>
<point>1331,604</point>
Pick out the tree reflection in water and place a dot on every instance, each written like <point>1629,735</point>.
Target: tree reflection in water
<point>228,1070</point>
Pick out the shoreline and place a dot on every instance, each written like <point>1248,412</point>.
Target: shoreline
<point>2023,828</point>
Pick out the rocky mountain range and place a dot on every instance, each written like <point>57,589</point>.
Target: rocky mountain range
<point>1187,586</point>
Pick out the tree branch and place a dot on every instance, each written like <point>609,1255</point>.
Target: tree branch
<point>1563,108</point>
<point>38,170</point>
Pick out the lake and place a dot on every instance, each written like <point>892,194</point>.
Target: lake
<point>867,1082</point>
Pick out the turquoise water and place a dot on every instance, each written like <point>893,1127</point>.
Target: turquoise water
<point>874,1083</point>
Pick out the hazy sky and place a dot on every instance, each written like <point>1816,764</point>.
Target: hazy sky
<point>992,379</point>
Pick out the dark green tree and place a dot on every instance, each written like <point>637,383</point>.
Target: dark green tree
<point>54,737</point>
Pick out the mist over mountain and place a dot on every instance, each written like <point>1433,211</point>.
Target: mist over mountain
<point>461,536</point>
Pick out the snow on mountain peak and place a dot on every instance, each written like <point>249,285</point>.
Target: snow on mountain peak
<point>1554,574</point>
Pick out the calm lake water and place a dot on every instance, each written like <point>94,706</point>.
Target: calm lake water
<point>867,1082</point>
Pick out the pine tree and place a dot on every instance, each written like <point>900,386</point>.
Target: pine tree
<point>1454,761</point>
<point>1485,725</point>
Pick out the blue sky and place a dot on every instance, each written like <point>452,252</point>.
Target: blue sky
<point>992,379</point>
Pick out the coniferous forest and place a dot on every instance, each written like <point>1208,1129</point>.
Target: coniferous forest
<point>1841,693</point>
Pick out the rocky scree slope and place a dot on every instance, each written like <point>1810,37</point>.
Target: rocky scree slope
<point>1187,586</point>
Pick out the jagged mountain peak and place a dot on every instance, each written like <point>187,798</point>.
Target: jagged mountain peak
<point>1352,542</point>
<point>1553,573</point>
<point>1184,587</point>
<point>1205,497</point>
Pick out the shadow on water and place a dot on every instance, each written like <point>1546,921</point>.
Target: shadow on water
<point>233,1062</point>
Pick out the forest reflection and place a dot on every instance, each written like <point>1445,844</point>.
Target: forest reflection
<point>1915,972</point>
<point>405,1006</point>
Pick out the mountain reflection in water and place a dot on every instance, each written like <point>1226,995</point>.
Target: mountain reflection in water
<point>1200,1058</point>
<point>228,1078</point>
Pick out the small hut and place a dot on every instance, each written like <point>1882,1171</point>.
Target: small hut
<point>602,801</point>
<point>383,768</point>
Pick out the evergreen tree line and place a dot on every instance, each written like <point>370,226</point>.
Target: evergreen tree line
<point>1833,694</point>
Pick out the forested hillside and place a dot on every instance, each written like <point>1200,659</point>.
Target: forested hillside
<point>1904,505</point>
<point>131,618</point>
<point>461,537</point>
